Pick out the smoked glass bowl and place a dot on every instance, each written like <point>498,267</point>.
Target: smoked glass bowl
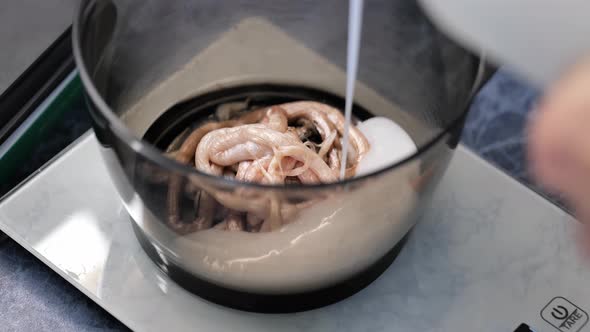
<point>153,68</point>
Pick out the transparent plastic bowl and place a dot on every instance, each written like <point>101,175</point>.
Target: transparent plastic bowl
<point>150,68</point>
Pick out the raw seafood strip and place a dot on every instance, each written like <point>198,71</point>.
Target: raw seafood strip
<point>291,143</point>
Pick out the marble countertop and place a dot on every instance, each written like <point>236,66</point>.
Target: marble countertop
<point>34,298</point>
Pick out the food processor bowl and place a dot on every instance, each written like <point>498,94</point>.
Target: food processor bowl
<point>152,69</point>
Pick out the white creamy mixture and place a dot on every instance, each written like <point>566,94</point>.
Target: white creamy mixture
<point>389,144</point>
<point>328,242</point>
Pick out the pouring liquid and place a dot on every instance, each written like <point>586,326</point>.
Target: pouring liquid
<point>355,21</point>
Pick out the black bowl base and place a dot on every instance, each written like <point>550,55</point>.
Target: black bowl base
<point>262,303</point>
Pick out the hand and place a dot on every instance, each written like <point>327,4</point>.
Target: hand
<point>559,140</point>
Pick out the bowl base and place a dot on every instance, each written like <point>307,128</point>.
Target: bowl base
<point>264,303</point>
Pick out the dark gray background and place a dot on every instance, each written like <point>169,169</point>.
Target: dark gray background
<point>27,28</point>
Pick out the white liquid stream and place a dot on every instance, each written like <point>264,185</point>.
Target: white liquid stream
<point>355,23</point>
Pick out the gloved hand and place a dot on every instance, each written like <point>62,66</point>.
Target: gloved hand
<point>559,141</point>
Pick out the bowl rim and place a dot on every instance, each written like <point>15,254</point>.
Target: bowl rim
<point>150,152</point>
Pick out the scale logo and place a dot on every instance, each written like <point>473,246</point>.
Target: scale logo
<point>564,315</point>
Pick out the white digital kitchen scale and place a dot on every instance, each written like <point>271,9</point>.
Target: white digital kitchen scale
<point>488,255</point>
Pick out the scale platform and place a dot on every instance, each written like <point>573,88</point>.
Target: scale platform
<point>487,255</point>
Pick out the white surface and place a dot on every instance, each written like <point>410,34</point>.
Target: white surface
<point>537,38</point>
<point>486,256</point>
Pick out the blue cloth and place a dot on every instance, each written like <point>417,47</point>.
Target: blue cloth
<point>496,127</point>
